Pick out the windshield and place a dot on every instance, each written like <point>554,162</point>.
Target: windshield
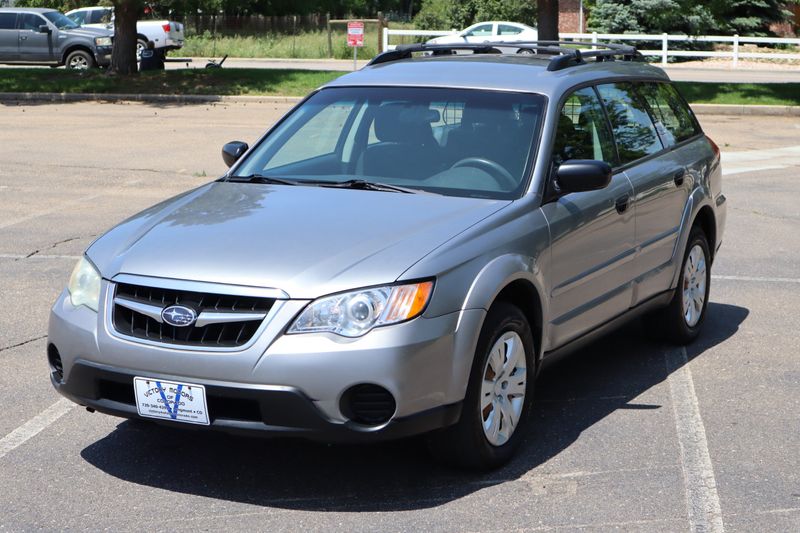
<point>60,21</point>
<point>456,142</point>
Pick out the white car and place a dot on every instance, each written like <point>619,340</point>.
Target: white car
<point>492,31</point>
<point>165,34</point>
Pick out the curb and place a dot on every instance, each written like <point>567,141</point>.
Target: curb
<point>146,98</point>
<point>700,109</point>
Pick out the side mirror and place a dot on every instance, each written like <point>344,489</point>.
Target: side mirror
<point>579,175</point>
<point>44,28</point>
<point>232,151</point>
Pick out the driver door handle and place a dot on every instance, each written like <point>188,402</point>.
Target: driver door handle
<point>622,203</point>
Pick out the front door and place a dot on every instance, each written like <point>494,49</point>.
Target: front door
<point>34,45</point>
<point>592,233</point>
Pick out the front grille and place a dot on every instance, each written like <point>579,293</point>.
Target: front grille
<point>236,318</point>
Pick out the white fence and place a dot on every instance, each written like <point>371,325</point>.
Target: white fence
<point>663,52</point>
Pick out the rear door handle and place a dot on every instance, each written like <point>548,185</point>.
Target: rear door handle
<point>678,177</point>
<point>622,203</point>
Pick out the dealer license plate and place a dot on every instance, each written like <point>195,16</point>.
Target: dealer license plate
<point>169,400</point>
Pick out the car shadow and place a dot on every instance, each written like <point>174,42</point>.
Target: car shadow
<point>400,475</point>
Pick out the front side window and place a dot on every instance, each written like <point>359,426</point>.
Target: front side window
<point>634,131</point>
<point>484,30</point>
<point>674,120</point>
<point>582,131</point>
<point>455,142</point>
<point>31,22</point>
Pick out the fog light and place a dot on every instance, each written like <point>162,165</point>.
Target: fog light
<point>367,404</point>
<point>54,358</point>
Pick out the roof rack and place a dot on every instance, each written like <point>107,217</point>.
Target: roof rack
<point>565,55</point>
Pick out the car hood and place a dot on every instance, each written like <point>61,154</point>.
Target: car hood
<point>83,31</point>
<point>306,241</point>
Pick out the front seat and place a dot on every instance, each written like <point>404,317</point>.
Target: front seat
<point>406,147</point>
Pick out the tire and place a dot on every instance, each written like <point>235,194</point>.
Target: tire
<point>477,442</point>
<point>525,51</point>
<point>140,45</point>
<point>681,321</point>
<point>79,60</point>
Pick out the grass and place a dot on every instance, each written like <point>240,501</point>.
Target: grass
<point>304,45</point>
<point>190,81</point>
<point>287,82</point>
<point>741,93</point>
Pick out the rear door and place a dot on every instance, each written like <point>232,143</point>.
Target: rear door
<point>9,37</point>
<point>33,45</point>
<point>592,233</point>
<point>657,176</point>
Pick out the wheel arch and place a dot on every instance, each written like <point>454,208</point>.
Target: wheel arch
<point>73,48</point>
<point>523,294</point>
<point>706,220</point>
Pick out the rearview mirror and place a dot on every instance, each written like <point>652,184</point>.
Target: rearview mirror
<point>579,175</point>
<point>44,28</point>
<point>232,151</point>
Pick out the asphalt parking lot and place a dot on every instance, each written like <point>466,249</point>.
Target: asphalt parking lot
<point>629,435</point>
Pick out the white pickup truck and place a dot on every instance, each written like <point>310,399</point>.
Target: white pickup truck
<point>165,34</point>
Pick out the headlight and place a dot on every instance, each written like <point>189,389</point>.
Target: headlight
<point>353,314</point>
<point>84,285</point>
<point>102,41</point>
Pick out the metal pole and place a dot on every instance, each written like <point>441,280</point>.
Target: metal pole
<point>355,56</point>
<point>580,16</point>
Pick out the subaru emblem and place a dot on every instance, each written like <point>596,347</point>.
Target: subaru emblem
<point>179,316</point>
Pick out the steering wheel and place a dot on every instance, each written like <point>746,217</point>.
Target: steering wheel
<point>502,176</point>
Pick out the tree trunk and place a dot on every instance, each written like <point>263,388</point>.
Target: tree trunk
<point>123,55</point>
<point>547,19</point>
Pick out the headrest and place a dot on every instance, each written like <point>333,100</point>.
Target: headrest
<point>404,122</point>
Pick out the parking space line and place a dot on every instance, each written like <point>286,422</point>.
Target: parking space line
<point>38,256</point>
<point>34,426</point>
<point>702,500</point>
<point>757,279</point>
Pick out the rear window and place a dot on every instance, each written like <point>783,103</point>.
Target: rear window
<point>634,131</point>
<point>674,120</point>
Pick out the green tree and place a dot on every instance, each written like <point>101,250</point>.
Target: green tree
<point>447,14</point>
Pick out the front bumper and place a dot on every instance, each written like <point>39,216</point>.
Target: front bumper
<point>103,56</point>
<point>264,410</point>
<point>284,384</point>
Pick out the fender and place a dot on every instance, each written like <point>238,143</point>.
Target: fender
<point>696,201</point>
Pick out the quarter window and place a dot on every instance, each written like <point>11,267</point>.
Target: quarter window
<point>634,131</point>
<point>582,131</point>
<point>674,120</point>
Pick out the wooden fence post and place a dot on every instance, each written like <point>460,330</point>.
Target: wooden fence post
<point>328,28</point>
<point>381,24</point>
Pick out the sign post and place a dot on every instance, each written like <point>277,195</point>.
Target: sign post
<point>355,39</point>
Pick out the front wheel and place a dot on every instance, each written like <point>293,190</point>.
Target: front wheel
<point>681,321</point>
<point>499,395</point>
<point>79,60</point>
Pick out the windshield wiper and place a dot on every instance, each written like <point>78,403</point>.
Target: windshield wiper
<point>366,186</point>
<point>260,178</point>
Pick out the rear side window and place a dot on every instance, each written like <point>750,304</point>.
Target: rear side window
<point>79,17</point>
<point>7,21</point>
<point>674,120</point>
<point>634,131</point>
<point>100,16</point>
<point>505,29</point>
<point>582,131</point>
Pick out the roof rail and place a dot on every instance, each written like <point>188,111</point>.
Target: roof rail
<point>565,53</point>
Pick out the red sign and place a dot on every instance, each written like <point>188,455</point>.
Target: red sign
<point>355,34</point>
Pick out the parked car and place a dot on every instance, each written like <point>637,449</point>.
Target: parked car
<point>34,36</point>
<point>492,31</point>
<point>402,252</point>
<point>165,34</point>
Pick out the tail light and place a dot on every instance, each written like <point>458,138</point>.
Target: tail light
<point>166,27</point>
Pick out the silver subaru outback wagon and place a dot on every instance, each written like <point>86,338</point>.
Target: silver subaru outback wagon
<point>402,251</point>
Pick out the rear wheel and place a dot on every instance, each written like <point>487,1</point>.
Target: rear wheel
<point>79,60</point>
<point>681,321</point>
<point>525,51</point>
<point>141,45</point>
<point>499,395</point>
